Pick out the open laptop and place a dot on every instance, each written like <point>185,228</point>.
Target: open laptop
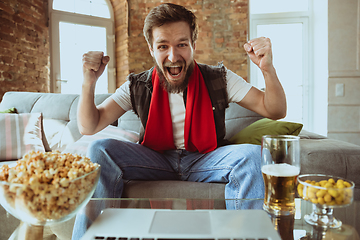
<point>162,224</point>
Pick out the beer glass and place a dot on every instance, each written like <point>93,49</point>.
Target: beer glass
<point>280,167</point>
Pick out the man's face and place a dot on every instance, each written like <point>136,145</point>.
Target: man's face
<point>173,53</point>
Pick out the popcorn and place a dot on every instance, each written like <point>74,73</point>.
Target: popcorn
<point>47,185</point>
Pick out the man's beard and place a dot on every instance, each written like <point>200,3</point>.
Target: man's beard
<point>170,88</point>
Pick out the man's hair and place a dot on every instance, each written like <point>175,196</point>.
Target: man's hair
<point>169,13</point>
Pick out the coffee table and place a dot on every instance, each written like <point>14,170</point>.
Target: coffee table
<point>289,227</point>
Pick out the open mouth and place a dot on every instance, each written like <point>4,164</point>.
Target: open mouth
<point>174,71</point>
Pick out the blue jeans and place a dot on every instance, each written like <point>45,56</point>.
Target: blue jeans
<point>236,165</point>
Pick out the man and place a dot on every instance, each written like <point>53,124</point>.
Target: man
<point>181,105</point>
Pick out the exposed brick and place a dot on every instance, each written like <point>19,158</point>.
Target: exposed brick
<point>32,12</point>
<point>18,19</point>
<point>38,3</point>
<point>25,3</point>
<point>4,6</point>
<point>5,45</point>
<point>219,40</point>
<point>7,76</point>
<point>24,42</point>
<point>6,59</point>
<point>28,24</point>
<point>26,17</point>
<point>18,63</point>
<point>6,29</point>
<point>4,67</point>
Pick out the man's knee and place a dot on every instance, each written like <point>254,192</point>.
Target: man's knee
<point>98,148</point>
<point>95,146</point>
<point>99,144</point>
<point>248,155</point>
<point>246,150</point>
<point>251,148</point>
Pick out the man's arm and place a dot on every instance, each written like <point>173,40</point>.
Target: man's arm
<point>91,118</point>
<point>270,103</point>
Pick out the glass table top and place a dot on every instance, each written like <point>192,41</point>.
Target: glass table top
<point>289,227</point>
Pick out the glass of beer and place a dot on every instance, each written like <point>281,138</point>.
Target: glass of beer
<point>280,167</point>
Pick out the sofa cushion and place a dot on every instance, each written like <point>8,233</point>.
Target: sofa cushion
<point>254,132</point>
<point>310,135</point>
<point>238,118</point>
<point>58,134</point>
<point>19,133</point>
<point>175,189</point>
<point>331,157</point>
<point>80,146</point>
<point>130,121</point>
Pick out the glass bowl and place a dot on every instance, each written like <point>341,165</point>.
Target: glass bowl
<point>326,192</point>
<point>45,203</point>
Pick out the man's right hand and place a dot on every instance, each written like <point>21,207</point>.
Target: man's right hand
<point>94,63</point>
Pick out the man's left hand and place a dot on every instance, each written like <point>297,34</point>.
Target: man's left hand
<point>259,51</point>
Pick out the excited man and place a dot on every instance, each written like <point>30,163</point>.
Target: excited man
<point>181,105</point>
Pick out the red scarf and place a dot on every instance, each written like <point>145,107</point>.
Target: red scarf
<point>199,130</point>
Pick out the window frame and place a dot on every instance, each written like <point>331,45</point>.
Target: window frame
<point>305,18</point>
<point>56,17</point>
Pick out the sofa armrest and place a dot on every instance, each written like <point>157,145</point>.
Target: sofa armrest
<point>332,157</point>
<point>310,135</point>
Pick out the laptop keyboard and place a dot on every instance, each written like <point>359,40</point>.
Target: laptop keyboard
<point>125,238</point>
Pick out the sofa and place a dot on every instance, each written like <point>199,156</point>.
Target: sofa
<point>56,129</point>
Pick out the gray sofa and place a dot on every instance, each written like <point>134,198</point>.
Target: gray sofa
<point>318,153</point>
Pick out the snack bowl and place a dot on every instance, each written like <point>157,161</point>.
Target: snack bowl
<point>45,188</point>
<point>326,192</point>
<point>43,204</point>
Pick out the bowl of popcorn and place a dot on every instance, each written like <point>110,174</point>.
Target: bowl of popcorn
<point>47,188</point>
<point>326,192</point>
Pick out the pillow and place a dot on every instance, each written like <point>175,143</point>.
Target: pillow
<point>254,132</point>
<point>58,135</point>
<point>81,145</point>
<point>19,133</point>
<point>10,110</point>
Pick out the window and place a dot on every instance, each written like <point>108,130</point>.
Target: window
<point>278,6</point>
<point>79,26</point>
<point>97,8</point>
<point>291,28</point>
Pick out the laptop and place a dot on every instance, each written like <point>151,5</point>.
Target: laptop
<point>163,224</point>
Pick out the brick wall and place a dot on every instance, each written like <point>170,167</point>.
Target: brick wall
<point>120,8</point>
<point>24,46</point>
<point>223,28</point>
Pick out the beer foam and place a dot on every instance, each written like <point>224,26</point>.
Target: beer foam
<point>281,170</point>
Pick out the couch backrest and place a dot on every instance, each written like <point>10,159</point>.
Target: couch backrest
<point>59,115</point>
<point>58,111</point>
<point>237,118</point>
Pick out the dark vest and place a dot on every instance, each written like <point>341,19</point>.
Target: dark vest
<point>215,79</point>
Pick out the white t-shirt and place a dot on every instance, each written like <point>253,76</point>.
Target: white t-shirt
<point>237,88</point>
